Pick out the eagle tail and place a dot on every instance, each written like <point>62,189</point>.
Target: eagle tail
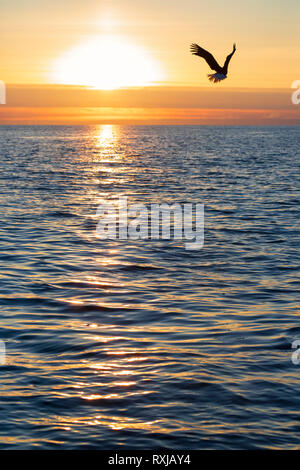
<point>216,77</point>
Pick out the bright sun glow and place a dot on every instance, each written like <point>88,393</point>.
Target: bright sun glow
<point>106,63</point>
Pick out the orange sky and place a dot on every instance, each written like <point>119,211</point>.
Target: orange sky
<point>143,47</point>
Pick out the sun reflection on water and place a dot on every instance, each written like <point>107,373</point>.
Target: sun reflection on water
<point>106,136</point>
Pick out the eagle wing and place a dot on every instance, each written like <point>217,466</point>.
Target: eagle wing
<point>197,50</point>
<point>228,59</point>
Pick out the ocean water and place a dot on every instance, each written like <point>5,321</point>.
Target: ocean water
<point>142,344</point>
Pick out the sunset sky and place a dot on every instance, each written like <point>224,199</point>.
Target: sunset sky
<point>128,61</point>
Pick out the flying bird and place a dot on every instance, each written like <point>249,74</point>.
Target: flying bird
<point>221,72</point>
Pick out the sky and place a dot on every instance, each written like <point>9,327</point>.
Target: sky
<point>75,50</point>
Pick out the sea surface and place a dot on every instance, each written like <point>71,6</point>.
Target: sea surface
<point>143,344</point>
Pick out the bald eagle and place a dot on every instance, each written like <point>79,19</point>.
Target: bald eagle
<point>221,72</point>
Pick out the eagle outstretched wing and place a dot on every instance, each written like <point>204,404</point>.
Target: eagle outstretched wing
<point>228,58</point>
<point>197,50</point>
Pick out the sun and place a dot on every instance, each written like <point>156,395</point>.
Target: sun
<point>107,63</point>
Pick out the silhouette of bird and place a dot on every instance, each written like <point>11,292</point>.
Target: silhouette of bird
<point>221,71</point>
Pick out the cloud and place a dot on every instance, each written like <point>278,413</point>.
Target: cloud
<point>149,97</point>
<point>109,115</point>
